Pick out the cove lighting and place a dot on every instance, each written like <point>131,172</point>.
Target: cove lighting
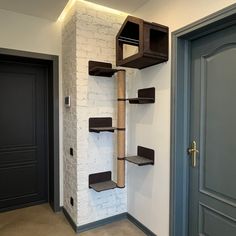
<point>103,8</point>
<point>67,8</point>
<point>93,5</point>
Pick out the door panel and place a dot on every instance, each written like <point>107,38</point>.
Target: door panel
<point>24,181</point>
<point>24,136</point>
<point>214,223</point>
<point>218,86</point>
<point>18,92</point>
<point>212,204</point>
<point>18,156</point>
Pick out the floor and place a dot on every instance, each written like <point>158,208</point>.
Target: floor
<point>41,221</point>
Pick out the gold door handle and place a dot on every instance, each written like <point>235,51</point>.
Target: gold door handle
<point>192,151</point>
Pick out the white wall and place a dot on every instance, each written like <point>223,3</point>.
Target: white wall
<point>69,79</point>
<point>89,34</point>
<point>32,34</point>
<point>29,33</point>
<point>96,31</point>
<point>148,187</point>
<point>96,97</point>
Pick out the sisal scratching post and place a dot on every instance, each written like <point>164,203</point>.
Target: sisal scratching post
<point>121,129</point>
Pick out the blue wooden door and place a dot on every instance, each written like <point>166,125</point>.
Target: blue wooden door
<point>212,184</point>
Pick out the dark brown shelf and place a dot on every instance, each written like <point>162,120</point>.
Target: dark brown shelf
<point>101,181</point>
<point>103,186</point>
<point>142,61</point>
<point>145,96</point>
<point>102,129</point>
<point>145,157</point>
<point>141,161</point>
<point>151,40</point>
<point>101,69</point>
<point>141,100</point>
<point>101,124</point>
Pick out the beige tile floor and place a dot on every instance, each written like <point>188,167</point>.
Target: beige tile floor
<point>42,221</point>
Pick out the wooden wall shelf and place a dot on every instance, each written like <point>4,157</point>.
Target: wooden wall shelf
<point>144,157</point>
<point>151,40</point>
<point>103,69</point>
<point>101,181</point>
<point>145,96</point>
<point>101,124</point>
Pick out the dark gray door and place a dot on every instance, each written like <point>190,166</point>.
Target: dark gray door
<point>212,196</point>
<point>23,134</point>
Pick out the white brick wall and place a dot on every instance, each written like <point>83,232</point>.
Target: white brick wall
<point>70,114</point>
<point>89,34</point>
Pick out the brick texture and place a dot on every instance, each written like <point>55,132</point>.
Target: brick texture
<point>89,34</point>
<point>70,114</point>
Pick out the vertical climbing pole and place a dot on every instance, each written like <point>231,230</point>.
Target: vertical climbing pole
<point>121,128</point>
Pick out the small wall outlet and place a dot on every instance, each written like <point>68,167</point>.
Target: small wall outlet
<point>72,201</point>
<point>71,151</point>
<point>67,101</point>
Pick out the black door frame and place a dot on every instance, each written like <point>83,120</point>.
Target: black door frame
<point>180,94</point>
<point>53,63</point>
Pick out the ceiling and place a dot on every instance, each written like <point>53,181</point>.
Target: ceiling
<point>128,6</point>
<point>48,9</point>
<point>52,9</point>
